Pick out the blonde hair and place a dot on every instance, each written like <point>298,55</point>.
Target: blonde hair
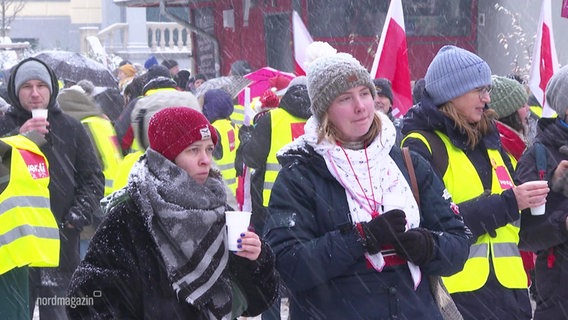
<point>474,131</point>
<point>328,131</point>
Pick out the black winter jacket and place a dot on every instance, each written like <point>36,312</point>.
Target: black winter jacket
<point>124,265</point>
<point>322,261</point>
<point>76,180</point>
<point>547,235</point>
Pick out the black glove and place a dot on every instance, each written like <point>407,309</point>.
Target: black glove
<point>383,229</point>
<point>561,185</point>
<point>415,245</point>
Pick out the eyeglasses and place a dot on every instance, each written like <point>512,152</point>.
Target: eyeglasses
<point>483,91</point>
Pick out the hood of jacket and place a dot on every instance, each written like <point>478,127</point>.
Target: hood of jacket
<point>552,133</point>
<point>426,116</point>
<point>297,101</point>
<point>77,104</point>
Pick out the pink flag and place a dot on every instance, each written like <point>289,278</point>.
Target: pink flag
<point>544,59</point>
<point>564,12</point>
<point>391,59</point>
<point>302,39</point>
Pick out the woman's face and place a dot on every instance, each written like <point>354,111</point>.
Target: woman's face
<point>352,113</point>
<point>196,159</point>
<point>524,113</point>
<point>472,103</point>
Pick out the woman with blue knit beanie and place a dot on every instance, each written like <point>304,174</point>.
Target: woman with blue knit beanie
<point>450,128</point>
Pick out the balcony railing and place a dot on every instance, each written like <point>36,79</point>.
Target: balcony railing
<point>164,37</point>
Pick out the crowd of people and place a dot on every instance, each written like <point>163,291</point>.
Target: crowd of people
<point>356,214</point>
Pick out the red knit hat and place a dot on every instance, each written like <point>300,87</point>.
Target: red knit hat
<point>173,129</point>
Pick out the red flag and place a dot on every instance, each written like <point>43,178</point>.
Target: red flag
<point>544,59</point>
<point>564,12</point>
<point>302,40</point>
<point>391,59</point>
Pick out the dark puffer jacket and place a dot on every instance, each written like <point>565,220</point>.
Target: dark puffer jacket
<point>547,235</point>
<point>76,180</point>
<point>323,264</point>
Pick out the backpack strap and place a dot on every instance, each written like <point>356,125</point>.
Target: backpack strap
<point>411,174</point>
<point>437,148</point>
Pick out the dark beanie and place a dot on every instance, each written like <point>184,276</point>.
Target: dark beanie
<point>383,87</point>
<point>217,104</point>
<point>240,68</point>
<point>297,101</point>
<point>171,130</point>
<point>32,70</point>
<point>169,63</point>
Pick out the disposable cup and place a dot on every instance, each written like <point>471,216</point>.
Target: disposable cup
<point>538,211</point>
<point>39,113</point>
<point>237,223</point>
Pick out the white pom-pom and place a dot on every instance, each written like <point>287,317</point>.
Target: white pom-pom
<point>77,88</point>
<point>318,49</point>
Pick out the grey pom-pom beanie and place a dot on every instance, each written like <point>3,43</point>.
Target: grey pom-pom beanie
<point>32,70</point>
<point>453,72</point>
<point>331,75</point>
<point>557,92</point>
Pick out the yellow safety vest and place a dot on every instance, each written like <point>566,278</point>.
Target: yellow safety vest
<point>229,137</point>
<point>107,147</point>
<point>284,129</point>
<point>462,181</point>
<point>29,234</point>
<point>123,170</point>
<point>238,115</point>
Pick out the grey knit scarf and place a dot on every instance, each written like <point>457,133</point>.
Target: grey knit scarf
<point>187,222</point>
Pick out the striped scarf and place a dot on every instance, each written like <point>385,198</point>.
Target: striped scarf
<point>187,222</point>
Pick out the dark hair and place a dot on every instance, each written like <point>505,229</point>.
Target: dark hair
<point>418,90</point>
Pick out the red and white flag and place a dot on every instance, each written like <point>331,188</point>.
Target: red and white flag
<point>302,40</point>
<point>391,59</point>
<point>564,12</point>
<point>544,59</point>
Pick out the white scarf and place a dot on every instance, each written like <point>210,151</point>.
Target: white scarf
<point>360,169</point>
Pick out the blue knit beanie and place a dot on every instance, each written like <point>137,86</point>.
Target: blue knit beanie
<point>217,104</point>
<point>453,72</point>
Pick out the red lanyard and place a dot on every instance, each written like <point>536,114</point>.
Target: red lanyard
<point>374,212</point>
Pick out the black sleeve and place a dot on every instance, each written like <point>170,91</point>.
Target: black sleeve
<point>258,279</point>
<point>90,181</point>
<point>107,269</point>
<point>255,151</point>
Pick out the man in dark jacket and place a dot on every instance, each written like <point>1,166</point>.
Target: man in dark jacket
<point>258,145</point>
<point>76,180</point>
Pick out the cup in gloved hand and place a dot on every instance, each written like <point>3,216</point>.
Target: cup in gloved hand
<point>383,229</point>
<point>415,245</point>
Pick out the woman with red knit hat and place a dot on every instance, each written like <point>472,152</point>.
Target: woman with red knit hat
<point>162,250</point>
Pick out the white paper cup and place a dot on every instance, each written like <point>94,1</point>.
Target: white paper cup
<point>538,211</point>
<point>39,113</point>
<point>237,223</point>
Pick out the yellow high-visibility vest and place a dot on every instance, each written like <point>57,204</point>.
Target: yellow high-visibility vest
<point>503,248</point>
<point>284,129</point>
<point>238,115</point>
<point>123,170</point>
<point>29,235</point>
<point>229,137</point>
<point>106,145</point>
